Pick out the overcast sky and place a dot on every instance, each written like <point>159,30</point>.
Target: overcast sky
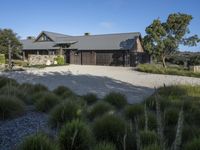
<point>75,17</point>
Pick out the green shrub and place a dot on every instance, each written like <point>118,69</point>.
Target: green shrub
<point>2,59</point>
<point>7,81</point>
<point>15,91</point>
<point>99,109</point>
<point>105,146</point>
<point>171,116</point>
<point>194,144</point>
<point>110,128</point>
<point>75,135</point>
<point>10,107</point>
<point>47,102</point>
<point>90,98</point>
<point>116,99</point>
<point>132,111</point>
<point>65,112</point>
<point>38,142</point>
<point>152,122</point>
<point>39,88</point>
<point>189,132</point>
<point>148,138</point>
<point>63,92</point>
<point>60,60</point>
<point>152,147</point>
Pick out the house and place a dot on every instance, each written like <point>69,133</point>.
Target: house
<point>120,49</point>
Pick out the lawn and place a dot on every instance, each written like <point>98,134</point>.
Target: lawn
<point>168,119</point>
<point>170,70</point>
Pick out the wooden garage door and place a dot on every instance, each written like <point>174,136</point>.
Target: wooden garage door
<point>88,58</point>
<point>110,58</point>
<point>103,58</point>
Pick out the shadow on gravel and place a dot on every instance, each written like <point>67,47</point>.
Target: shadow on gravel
<point>82,84</point>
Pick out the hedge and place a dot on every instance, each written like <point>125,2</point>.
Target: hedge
<point>60,60</point>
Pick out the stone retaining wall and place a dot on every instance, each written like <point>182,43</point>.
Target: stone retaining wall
<point>41,59</point>
<point>195,68</point>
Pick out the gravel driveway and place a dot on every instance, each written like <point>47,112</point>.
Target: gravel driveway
<point>100,80</point>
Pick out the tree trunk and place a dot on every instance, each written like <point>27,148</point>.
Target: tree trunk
<point>163,62</point>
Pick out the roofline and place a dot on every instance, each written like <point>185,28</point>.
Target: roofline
<point>43,32</point>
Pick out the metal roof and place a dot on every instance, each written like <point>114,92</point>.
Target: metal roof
<point>119,41</point>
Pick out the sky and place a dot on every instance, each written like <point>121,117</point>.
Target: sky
<point>75,17</point>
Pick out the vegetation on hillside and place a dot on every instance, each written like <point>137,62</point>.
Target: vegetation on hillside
<point>169,119</point>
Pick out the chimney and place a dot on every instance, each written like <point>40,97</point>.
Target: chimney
<point>87,34</point>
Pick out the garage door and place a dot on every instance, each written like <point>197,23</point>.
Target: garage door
<point>88,58</point>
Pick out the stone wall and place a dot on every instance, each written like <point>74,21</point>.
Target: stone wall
<point>41,59</point>
<point>195,68</point>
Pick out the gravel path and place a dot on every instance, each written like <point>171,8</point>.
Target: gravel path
<point>13,131</point>
<point>101,80</point>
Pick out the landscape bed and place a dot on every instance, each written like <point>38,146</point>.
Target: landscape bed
<point>170,70</point>
<point>169,119</point>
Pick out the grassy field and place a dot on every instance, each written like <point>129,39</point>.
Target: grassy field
<point>171,70</point>
<point>169,119</point>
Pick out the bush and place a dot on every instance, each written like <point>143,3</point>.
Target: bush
<point>65,112</point>
<point>7,81</point>
<point>152,122</point>
<point>99,109</point>
<point>105,146</point>
<point>171,116</point>
<point>110,128</point>
<point>116,99</point>
<point>60,60</point>
<point>10,107</point>
<point>38,142</point>
<point>152,147</point>
<point>47,102</point>
<point>193,144</point>
<point>75,135</point>
<point>39,88</point>
<point>148,138</point>
<point>2,59</point>
<point>90,98</point>
<point>132,111</point>
<point>63,92</point>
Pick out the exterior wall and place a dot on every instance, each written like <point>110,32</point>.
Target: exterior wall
<point>41,59</point>
<point>139,45</point>
<point>75,57</point>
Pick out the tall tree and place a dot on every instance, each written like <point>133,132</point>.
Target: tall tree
<point>7,35</point>
<point>163,39</point>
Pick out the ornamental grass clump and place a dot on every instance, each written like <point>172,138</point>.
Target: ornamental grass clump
<point>75,135</point>
<point>194,144</point>
<point>65,112</point>
<point>47,102</point>
<point>7,81</point>
<point>116,99</point>
<point>148,138</point>
<point>171,116</point>
<point>10,107</point>
<point>39,88</point>
<point>63,92</point>
<point>90,98</point>
<point>105,146</point>
<point>100,108</point>
<point>133,111</point>
<point>38,142</point>
<point>110,128</point>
